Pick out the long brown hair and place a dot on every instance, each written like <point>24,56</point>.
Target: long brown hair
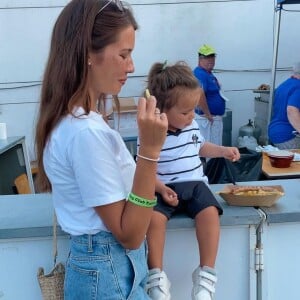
<point>82,27</point>
<point>168,82</point>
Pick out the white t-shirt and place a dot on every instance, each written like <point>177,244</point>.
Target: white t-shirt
<point>88,165</point>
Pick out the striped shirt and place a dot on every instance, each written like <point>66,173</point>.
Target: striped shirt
<point>179,157</point>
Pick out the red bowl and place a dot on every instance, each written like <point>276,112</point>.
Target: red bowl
<point>281,158</point>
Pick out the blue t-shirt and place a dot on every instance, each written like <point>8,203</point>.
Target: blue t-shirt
<point>211,87</point>
<point>288,93</point>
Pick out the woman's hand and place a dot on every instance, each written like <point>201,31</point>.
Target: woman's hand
<point>152,126</point>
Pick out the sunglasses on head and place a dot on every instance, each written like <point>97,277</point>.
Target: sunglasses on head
<point>118,4</point>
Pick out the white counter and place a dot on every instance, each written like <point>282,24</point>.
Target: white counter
<point>281,245</point>
<point>26,244</point>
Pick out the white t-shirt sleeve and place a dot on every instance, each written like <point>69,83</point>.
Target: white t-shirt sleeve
<point>102,165</point>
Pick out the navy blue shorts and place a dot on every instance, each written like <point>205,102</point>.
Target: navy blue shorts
<point>194,196</point>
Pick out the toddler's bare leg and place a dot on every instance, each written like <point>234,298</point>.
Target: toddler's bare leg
<point>208,233</point>
<point>156,240</point>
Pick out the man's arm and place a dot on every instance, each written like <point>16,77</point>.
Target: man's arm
<point>204,107</point>
<point>293,115</point>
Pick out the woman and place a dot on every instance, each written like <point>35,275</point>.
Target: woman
<point>85,164</point>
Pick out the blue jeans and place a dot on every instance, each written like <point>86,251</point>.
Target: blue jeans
<point>99,268</point>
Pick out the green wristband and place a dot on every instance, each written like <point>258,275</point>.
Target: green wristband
<point>141,201</point>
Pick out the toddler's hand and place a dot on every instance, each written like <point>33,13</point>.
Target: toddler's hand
<point>169,196</point>
<point>231,153</point>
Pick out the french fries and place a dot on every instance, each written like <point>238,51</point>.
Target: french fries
<point>147,94</point>
<point>254,191</point>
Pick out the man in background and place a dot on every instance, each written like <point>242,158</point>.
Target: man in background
<point>212,103</point>
<point>286,113</point>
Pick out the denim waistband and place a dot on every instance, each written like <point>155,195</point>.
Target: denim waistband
<point>102,237</point>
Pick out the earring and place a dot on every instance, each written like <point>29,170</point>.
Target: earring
<point>89,63</point>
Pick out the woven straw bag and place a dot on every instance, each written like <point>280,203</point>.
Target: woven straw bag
<point>52,284</point>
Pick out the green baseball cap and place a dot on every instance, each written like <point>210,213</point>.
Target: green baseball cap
<point>206,50</point>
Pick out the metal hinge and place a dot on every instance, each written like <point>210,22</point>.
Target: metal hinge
<point>259,258</point>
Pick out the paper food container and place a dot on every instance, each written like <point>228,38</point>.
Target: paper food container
<point>268,195</point>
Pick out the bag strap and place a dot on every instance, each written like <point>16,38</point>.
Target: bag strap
<point>54,238</point>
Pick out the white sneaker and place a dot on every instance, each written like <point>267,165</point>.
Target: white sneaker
<point>204,280</point>
<point>158,285</point>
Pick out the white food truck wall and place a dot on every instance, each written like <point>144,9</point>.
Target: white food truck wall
<point>241,32</point>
